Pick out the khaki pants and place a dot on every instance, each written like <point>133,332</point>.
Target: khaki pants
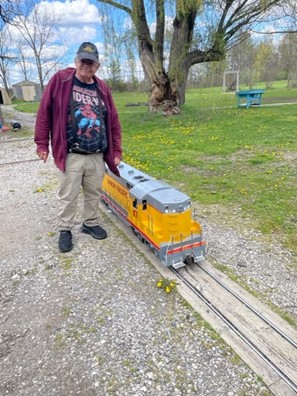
<point>86,171</point>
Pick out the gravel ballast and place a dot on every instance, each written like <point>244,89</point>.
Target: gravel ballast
<point>92,321</point>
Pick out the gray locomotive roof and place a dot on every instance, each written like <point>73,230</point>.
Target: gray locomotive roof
<point>144,187</point>
<point>159,191</point>
<point>169,196</point>
<point>132,175</point>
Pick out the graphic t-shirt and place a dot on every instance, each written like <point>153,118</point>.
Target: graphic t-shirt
<point>90,127</point>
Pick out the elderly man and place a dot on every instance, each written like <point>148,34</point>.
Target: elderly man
<point>78,117</point>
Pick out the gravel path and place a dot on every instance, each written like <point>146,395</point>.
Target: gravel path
<point>92,321</point>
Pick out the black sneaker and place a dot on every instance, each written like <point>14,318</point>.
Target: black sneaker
<point>96,231</point>
<point>65,241</point>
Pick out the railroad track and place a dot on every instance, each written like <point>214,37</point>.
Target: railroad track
<point>15,140</point>
<point>7,163</point>
<point>261,338</point>
<point>18,162</point>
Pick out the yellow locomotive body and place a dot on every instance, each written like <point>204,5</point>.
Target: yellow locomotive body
<point>158,214</point>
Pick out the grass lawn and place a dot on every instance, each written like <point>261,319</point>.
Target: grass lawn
<point>241,161</point>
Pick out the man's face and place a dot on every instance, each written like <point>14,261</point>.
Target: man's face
<point>86,69</point>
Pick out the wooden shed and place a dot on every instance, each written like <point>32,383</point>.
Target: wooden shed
<point>4,97</point>
<point>28,91</point>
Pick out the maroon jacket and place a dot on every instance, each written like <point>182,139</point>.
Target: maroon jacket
<point>52,118</point>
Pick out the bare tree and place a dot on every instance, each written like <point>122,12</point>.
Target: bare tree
<point>36,32</point>
<point>287,50</point>
<point>264,64</point>
<point>5,59</point>
<point>131,63</point>
<point>112,49</point>
<point>191,42</point>
<point>23,59</point>
<point>9,9</point>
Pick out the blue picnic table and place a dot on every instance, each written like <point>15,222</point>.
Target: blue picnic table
<point>248,98</point>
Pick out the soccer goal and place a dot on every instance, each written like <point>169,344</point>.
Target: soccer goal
<point>231,81</point>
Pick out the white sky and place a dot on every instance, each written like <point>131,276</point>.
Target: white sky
<point>79,20</point>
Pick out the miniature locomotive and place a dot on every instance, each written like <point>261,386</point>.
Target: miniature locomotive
<point>158,214</point>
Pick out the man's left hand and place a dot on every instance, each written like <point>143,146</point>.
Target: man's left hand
<point>117,161</point>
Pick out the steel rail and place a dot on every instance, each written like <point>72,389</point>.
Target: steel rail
<point>18,162</point>
<point>248,305</point>
<point>239,333</point>
<point>15,140</point>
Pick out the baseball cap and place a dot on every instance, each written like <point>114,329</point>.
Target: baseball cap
<point>88,51</point>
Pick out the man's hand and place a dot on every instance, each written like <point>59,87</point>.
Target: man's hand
<point>116,161</point>
<point>42,155</point>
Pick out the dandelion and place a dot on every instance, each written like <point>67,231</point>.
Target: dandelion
<point>160,283</point>
<point>167,285</point>
<point>51,234</point>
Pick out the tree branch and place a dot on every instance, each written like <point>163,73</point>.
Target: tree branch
<point>160,30</point>
<point>117,5</point>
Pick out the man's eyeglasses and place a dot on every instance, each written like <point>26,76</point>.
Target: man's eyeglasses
<point>88,62</point>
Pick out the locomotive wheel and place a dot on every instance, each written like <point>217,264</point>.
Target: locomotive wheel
<point>189,260</point>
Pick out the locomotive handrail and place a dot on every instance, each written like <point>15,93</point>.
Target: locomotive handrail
<point>171,243</point>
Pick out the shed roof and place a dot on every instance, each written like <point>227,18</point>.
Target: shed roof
<point>25,83</point>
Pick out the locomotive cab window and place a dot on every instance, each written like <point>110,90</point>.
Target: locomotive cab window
<point>135,203</point>
<point>144,204</point>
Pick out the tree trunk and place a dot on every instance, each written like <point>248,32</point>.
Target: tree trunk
<point>167,86</point>
<point>162,94</point>
<point>3,71</point>
<point>167,91</point>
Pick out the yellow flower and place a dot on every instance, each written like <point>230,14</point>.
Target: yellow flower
<point>51,234</point>
<point>167,289</point>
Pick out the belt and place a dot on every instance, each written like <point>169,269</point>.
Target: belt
<point>77,150</point>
